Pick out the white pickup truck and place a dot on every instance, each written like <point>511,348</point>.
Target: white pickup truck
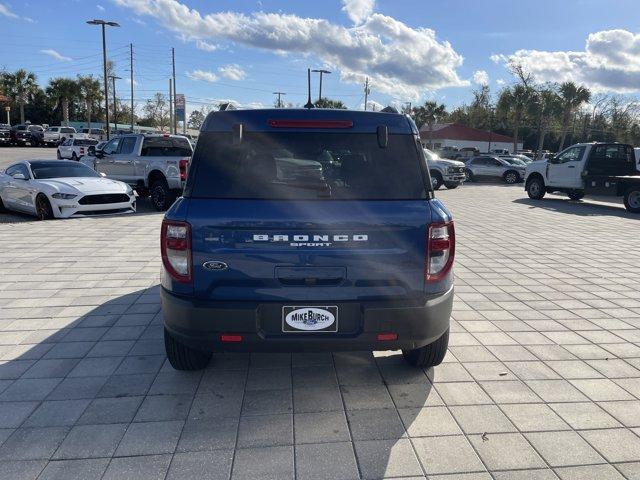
<point>154,165</point>
<point>588,169</point>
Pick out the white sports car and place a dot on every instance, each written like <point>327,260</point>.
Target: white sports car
<point>62,189</point>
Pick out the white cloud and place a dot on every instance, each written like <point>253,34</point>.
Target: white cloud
<point>53,54</point>
<point>100,7</point>
<point>498,58</point>
<point>203,76</point>
<point>5,12</point>
<point>402,61</point>
<point>500,81</point>
<point>233,72</point>
<point>205,46</point>
<point>480,77</point>
<point>609,62</point>
<point>372,105</point>
<point>29,20</point>
<point>358,10</point>
<point>128,82</point>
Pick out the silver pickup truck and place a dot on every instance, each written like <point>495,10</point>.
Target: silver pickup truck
<point>154,165</point>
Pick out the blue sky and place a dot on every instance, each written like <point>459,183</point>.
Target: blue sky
<point>411,50</point>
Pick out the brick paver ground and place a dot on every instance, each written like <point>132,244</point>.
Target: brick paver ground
<point>542,379</point>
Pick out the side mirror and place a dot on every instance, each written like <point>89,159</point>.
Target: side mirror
<point>383,136</point>
<point>19,176</point>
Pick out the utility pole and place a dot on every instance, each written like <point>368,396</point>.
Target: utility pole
<point>115,104</point>
<point>320,71</point>
<point>366,92</point>
<point>173,63</point>
<point>279,104</point>
<point>170,105</point>
<point>103,24</point>
<point>131,79</point>
<point>309,103</point>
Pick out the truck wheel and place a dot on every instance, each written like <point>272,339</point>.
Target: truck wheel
<point>632,199</point>
<point>535,188</point>
<point>182,357</point>
<point>468,174</point>
<point>511,177</point>
<point>161,196</point>
<point>452,186</point>
<point>576,194</point>
<point>436,180</point>
<point>74,157</point>
<point>429,355</point>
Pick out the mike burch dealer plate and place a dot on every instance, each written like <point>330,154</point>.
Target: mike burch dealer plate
<point>309,319</point>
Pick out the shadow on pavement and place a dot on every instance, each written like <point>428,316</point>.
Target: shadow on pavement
<point>580,207</point>
<point>91,381</point>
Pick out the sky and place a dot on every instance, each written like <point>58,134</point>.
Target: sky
<point>410,50</point>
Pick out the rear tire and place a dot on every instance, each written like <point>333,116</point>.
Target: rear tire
<point>182,357</point>
<point>452,186</point>
<point>535,188</point>
<point>74,157</point>
<point>511,177</point>
<point>632,199</point>
<point>58,156</point>
<point>468,175</point>
<point>576,195</point>
<point>161,196</point>
<point>429,355</point>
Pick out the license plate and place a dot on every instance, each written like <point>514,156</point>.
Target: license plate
<point>309,319</point>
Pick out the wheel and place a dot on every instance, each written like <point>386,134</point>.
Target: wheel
<point>436,180</point>
<point>535,188</point>
<point>74,157</point>
<point>182,357</point>
<point>43,208</point>
<point>161,196</point>
<point>58,156</point>
<point>452,186</point>
<point>468,175</point>
<point>576,194</point>
<point>511,177</point>
<point>632,199</point>
<point>429,355</point>
<point>2,207</point>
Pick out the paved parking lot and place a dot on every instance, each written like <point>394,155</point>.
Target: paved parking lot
<point>542,379</point>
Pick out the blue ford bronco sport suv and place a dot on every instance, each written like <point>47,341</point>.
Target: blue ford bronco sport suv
<point>303,230</point>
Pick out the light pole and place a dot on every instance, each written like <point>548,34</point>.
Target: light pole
<point>103,23</point>
<point>320,71</point>
<point>115,103</point>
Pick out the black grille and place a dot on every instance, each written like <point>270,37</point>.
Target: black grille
<point>104,199</point>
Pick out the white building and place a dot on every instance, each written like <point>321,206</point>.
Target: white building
<point>454,135</point>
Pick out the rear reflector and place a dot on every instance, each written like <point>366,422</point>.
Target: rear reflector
<point>386,337</point>
<point>231,338</point>
<point>310,123</point>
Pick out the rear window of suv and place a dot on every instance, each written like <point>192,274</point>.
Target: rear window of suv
<point>166,147</point>
<point>307,165</point>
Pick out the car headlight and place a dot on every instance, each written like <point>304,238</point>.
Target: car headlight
<point>129,191</point>
<point>64,196</point>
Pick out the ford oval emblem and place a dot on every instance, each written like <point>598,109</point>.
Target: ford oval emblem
<point>215,265</point>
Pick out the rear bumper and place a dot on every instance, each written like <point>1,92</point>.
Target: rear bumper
<point>199,324</point>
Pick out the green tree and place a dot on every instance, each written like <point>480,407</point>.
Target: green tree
<point>62,91</point>
<point>196,119</point>
<point>513,104</point>
<point>325,102</point>
<point>20,87</point>
<point>545,106</point>
<point>572,97</point>
<point>89,89</point>
<point>428,114</point>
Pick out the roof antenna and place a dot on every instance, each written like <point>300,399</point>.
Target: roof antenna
<point>309,103</point>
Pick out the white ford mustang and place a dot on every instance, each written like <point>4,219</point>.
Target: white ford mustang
<point>62,189</point>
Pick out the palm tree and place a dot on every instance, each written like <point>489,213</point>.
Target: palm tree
<point>513,102</point>
<point>545,106</point>
<point>63,90</point>
<point>428,114</point>
<point>21,86</point>
<point>90,92</point>
<point>572,97</point>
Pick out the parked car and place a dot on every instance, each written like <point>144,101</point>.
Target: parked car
<point>359,259</point>
<point>500,151</point>
<point>155,165</point>
<point>449,173</point>
<point>54,136</point>
<point>520,157</point>
<point>95,133</point>
<point>588,169</point>
<point>26,133</point>
<point>61,189</point>
<point>75,148</point>
<point>5,134</point>
<point>489,166</point>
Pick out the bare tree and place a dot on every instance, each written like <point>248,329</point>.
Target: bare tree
<point>157,110</point>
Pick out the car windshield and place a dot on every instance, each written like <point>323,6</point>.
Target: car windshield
<point>513,161</point>
<point>307,165</point>
<point>61,169</point>
<point>52,129</point>
<point>430,155</point>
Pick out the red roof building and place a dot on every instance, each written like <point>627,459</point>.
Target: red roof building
<point>455,135</point>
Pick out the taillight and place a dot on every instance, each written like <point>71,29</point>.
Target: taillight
<point>441,247</point>
<point>175,245</point>
<point>184,166</point>
<point>82,151</point>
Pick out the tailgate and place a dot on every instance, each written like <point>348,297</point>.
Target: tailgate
<point>261,250</point>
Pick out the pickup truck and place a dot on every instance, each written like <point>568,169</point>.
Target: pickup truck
<point>154,165</point>
<point>5,134</point>
<point>587,169</point>
<point>55,136</point>
<point>450,173</point>
<point>303,230</point>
